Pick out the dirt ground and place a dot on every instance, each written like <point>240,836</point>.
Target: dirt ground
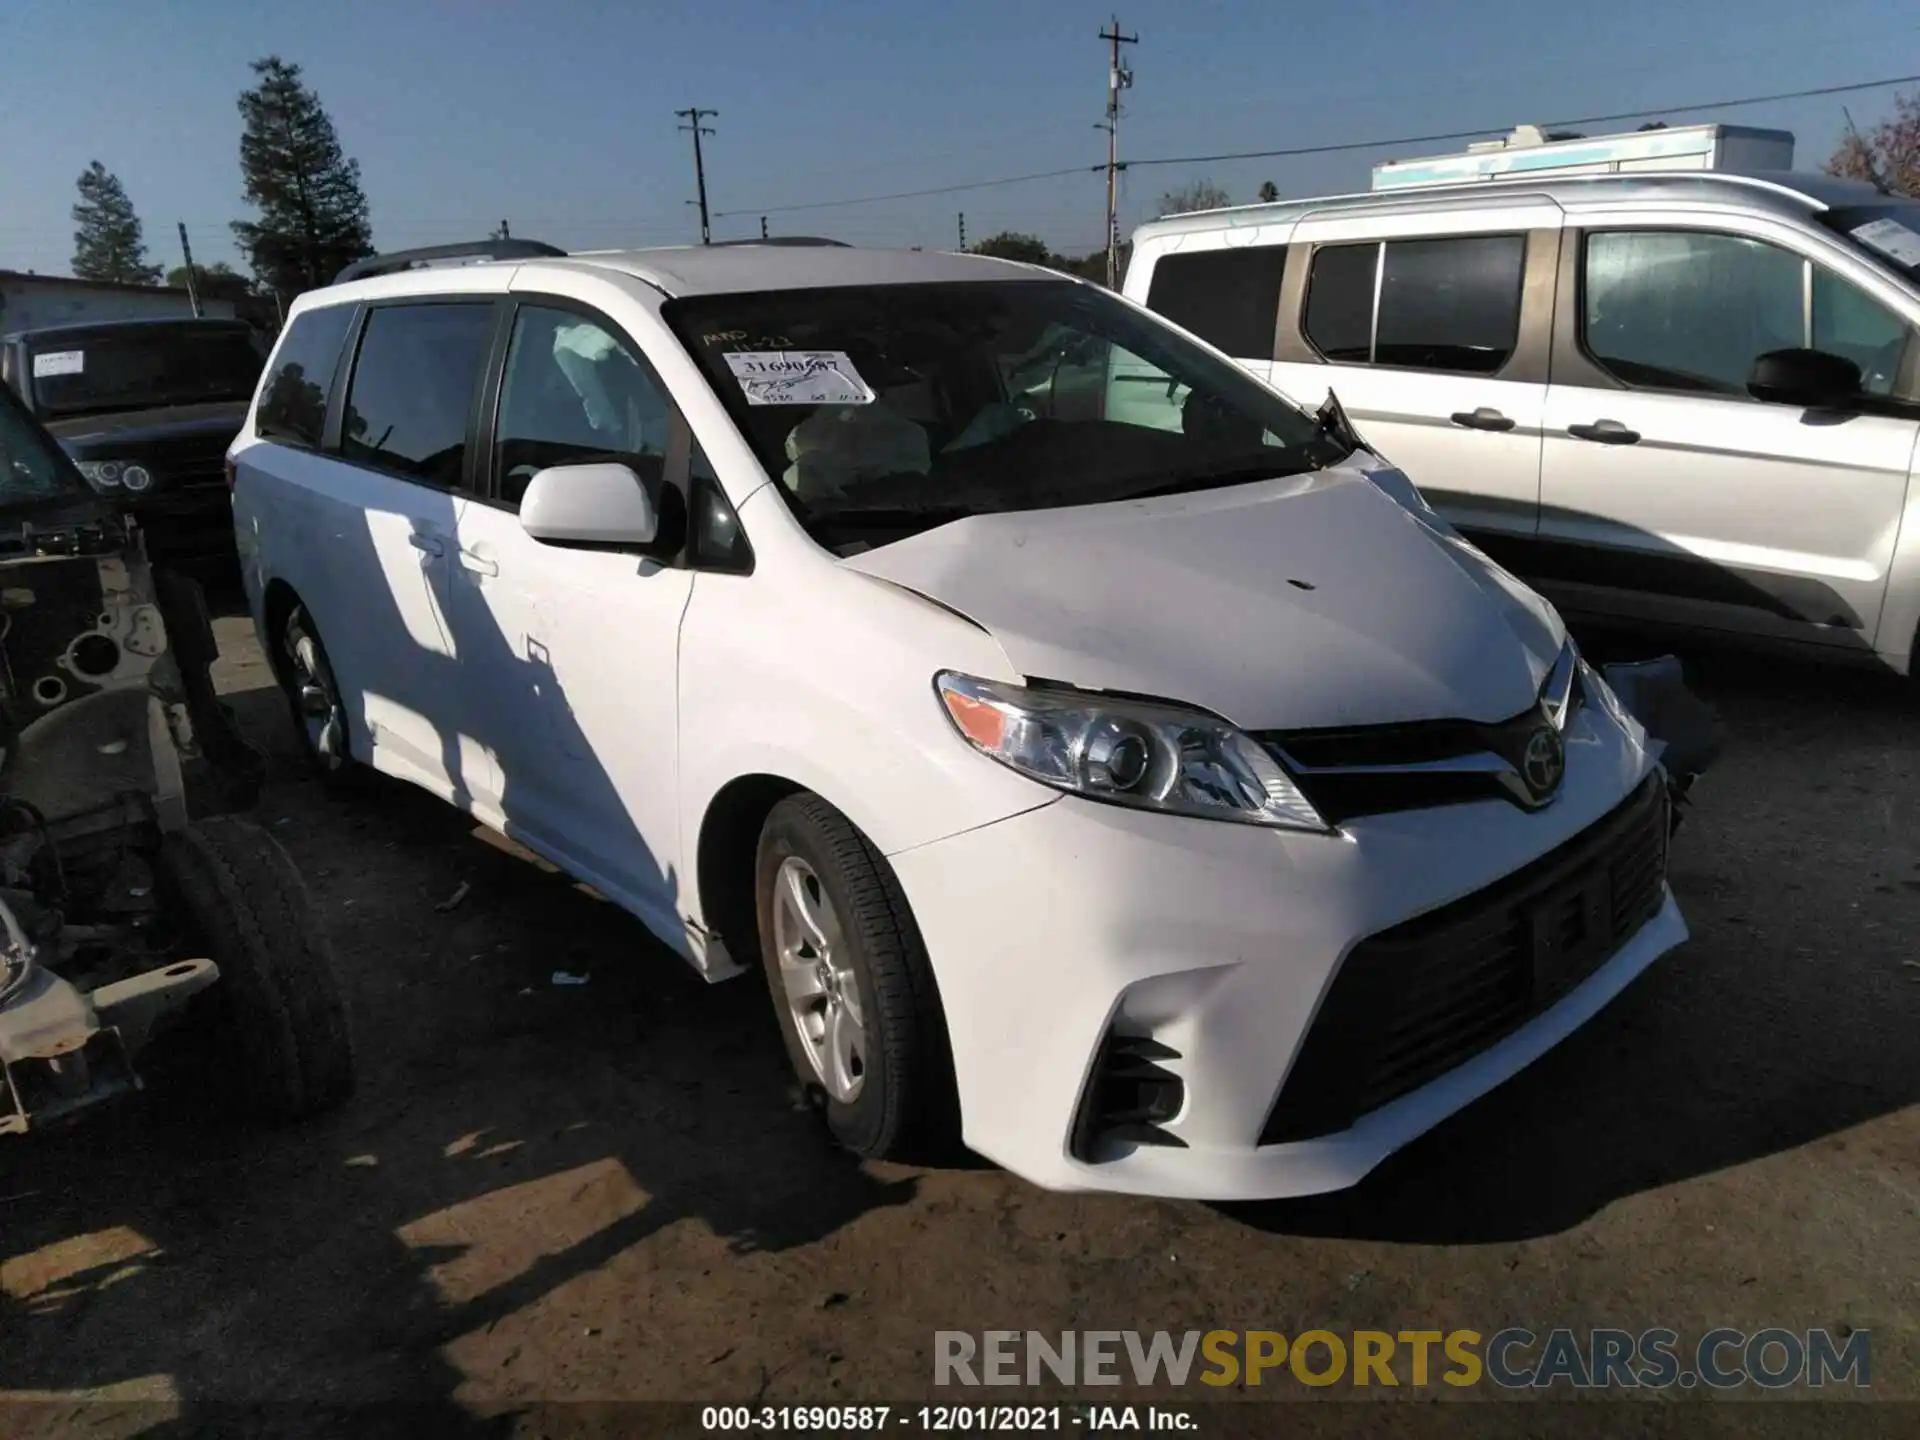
<point>604,1191</point>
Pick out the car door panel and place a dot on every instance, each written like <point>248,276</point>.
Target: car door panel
<point>1442,368</point>
<point>1668,494</point>
<point>578,703</point>
<point>397,485</point>
<point>1481,471</point>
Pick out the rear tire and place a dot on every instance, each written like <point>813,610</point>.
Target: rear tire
<point>270,1038</point>
<point>850,981</point>
<point>316,704</point>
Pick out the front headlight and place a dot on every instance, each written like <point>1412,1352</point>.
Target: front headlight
<point>1127,752</point>
<point>115,475</point>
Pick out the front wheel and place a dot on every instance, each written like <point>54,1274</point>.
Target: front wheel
<point>851,985</point>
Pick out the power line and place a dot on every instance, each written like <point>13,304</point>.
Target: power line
<point>1344,147</point>
<point>909,194</point>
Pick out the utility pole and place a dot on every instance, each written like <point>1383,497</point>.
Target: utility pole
<point>963,229</point>
<point>1118,78</point>
<point>693,118</point>
<point>193,276</point>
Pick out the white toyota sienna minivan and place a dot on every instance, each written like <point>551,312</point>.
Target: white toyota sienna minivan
<point>1101,757</point>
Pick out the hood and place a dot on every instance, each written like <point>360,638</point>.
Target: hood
<point>208,427</point>
<point>1287,604</point>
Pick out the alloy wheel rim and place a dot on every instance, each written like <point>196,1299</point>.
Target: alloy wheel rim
<point>821,990</point>
<point>321,714</point>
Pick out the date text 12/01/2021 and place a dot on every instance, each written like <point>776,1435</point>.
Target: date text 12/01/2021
<point>937,1419</point>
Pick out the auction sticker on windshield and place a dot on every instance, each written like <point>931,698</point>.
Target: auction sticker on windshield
<point>1892,239</point>
<point>59,362</point>
<point>798,377</point>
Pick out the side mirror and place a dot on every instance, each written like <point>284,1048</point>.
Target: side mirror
<point>589,505</point>
<point>1811,379</point>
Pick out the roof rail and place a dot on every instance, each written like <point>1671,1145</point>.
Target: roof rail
<point>471,252</point>
<point>786,240</point>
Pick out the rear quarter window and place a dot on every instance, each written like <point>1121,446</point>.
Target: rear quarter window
<point>1450,304</point>
<point>299,378</point>
<point>1229,298</point>
<point>1340,290</point>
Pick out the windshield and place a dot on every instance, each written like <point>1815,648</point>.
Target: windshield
<point>1890,232</point>
<point>34,470</point>
<point>890,409</point>
<point>94,372</point>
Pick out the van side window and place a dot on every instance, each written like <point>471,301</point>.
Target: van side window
<point>1339,316</point>
<point>293,402</point>
<point>1850,323</point>
<point>1451,304</point>
<point>1229,298</point>
<point>412,389</point>
<point>1689,310</point>
<point>574,394</point>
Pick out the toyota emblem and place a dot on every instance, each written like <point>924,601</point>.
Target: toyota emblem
<point>1543,762</point>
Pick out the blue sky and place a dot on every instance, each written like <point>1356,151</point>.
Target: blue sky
<point>558,115</point>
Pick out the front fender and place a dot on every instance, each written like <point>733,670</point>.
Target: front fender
<point>835,695</point>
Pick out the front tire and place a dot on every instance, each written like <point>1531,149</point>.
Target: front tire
<point>851,985</point>
<point>270,1037</point>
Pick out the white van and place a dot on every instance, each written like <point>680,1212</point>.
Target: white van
<point>1686,398</point>
<point>1124,775</point>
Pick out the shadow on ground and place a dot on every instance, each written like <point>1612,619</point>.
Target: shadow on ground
<point>331,1263</point>
<point>513,1135</point>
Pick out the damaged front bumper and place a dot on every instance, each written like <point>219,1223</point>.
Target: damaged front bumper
<point>1686,734</point>
<point>63,1050</point>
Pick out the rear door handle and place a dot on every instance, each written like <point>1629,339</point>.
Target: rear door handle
<point>1485,418</point>
<point>478,564</point>
<point>427,544</point>
<point>1605,432</point>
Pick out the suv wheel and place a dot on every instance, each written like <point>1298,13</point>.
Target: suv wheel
<point>851,984</point>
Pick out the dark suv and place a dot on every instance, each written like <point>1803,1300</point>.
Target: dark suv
<point>147,408</point>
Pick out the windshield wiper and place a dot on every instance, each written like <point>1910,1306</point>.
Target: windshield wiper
<point>1331,421</point>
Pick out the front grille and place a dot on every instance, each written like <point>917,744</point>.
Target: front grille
<point>197,474</point>
<point>1413,1002</point>
<point>1349,772</point>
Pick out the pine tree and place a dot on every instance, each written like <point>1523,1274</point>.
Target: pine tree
<point>313,214</point>
<point>107,246</point>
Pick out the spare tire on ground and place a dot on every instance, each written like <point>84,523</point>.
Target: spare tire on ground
<point>270,1038</point>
